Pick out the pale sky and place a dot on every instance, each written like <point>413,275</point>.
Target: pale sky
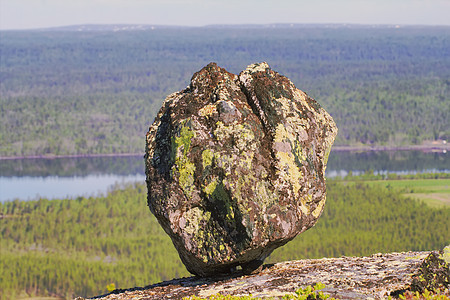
<point>28,14</point>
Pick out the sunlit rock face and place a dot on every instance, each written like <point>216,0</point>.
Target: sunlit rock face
<point>235,167</point>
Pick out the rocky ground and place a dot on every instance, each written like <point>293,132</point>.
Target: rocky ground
<point>372,277</point>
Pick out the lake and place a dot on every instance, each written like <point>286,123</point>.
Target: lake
<point>28,179</point>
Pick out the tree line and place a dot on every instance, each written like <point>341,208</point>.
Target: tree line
<point>68,92</point>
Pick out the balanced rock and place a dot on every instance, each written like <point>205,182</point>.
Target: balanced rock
<point>235,167</point>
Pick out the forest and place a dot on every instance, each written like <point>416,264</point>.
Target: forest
<point>64,92</point>
<point>66,248</point>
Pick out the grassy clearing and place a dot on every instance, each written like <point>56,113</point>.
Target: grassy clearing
<point>436,200</point>
<point>433,192</point>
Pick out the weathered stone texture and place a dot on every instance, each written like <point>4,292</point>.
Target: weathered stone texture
<point>374,277</point>
<point>236,167</point>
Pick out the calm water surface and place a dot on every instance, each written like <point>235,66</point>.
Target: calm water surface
<point>28,179</point>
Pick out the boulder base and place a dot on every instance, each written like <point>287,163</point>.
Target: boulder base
<point>235,167</point>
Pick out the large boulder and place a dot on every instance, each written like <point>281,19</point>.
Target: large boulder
<point>235,167</point>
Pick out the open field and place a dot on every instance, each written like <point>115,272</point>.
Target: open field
<point>433,192</point>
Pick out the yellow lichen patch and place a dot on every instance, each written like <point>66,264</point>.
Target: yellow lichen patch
<point>207,110</point>
<point>242,137</point>
<point>286,106</point>
<point>288,170</point>
<point>238,188</point>
<point>306,199</point>
<point>304,206</point>
<point>246,159</point>
<point>193,218</point>
<point>186,178</point>
<point>319,208</point>
<point>325,159</point>
<point>298,150</point>
<point>210,188</point>
<point>221,132</point>
<point>230,213</point>
<point>301,97</point>
<point>183,165</point>
<point>265,196</point>
<point>207,158</point>
<point>281,134</point>
<point>304,209</point>
<point>184,139</point>
<point>225,162</point>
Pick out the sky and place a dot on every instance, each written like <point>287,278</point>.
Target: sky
<point>32,14</point>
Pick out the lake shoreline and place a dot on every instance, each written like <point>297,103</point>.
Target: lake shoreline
<point>71,156</point>
<point>424,147</point>
<point>57,177</point>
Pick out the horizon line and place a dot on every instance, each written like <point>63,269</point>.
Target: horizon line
<point>144,26</point>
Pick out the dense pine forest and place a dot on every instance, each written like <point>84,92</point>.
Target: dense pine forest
<point>67,248</point>
<point>96,92</point>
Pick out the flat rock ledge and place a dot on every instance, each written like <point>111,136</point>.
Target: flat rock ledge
<point>372,277</point>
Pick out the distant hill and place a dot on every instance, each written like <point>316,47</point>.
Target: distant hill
<point>140,27</point>
<point>96,88</point>
<point>107,27</point>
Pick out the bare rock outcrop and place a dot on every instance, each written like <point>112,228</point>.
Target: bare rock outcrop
<point>235,167</point>
<point>373,277</point>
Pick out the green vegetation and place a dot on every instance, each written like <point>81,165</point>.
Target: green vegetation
<point>309,293</point>
<point>68,92</point>
<point>370,176</point>
<point>86,246</point>
<point>221,297</point>
<point>306,293</point>
<point>426,295</point>
<point>432,189</point>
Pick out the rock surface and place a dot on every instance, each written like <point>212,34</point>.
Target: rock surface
<point>373,277</point>
<point>235,167</point>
